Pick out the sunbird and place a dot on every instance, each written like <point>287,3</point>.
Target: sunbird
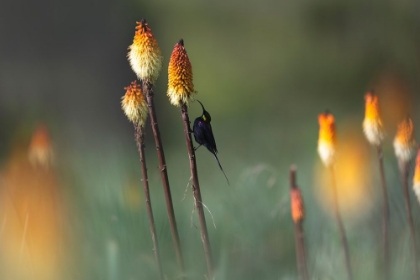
<point>203,135</point>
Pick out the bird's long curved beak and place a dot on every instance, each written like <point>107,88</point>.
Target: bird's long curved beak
<point>202,106</point>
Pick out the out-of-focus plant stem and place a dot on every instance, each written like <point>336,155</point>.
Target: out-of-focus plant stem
<point>139,136</point>
<point>148,92</point>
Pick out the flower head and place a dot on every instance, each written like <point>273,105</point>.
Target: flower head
<point>404,142</point>
<point>180,76</point>
<point>297,207</point>
<point>416,178</point>
<point>144,54</point>
<point>40,149</point>
<point>134,105</point>
<point>327,138</point>
<point>372,124</point>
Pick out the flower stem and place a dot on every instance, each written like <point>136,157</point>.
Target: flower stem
<point>404,169</point>
<point>148,92</point>
<point>196,192</point>
<point>385,216</point>
<point>139,136</point>
<point>341,226</point>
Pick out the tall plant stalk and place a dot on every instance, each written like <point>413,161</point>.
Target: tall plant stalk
<point>148,92</point>
<point>343,237</point>
<point>405,172</point>
<point>385,216</point>
<point>198,201</point>
<point>139,136</point>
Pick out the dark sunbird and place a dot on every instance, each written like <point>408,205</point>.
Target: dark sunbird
<point>203,135</point>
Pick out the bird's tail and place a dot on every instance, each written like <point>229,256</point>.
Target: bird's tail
<point>215,156</point>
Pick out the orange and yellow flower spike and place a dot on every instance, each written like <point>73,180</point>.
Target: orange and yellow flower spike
<point>180,76</point>
<point>144,54</point>
<point>134,105</point>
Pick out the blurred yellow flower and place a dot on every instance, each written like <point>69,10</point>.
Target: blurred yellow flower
<point>327,138</point>
<point>180,76</point>
<point>416,178</point>
<point>372,124</point>
<point>132,196</point>
<point>354,186</point>
<point>32,238</point>
<point>404,142</point>
<point>40,149</point>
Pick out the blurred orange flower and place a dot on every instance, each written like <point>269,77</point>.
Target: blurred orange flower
<point>31,210</point>
<point>404,142</point>
<point>372,124</point>
<point>40,149</point>
<point>353,175</point>
<point>416,178</point>
<point>297,206</point>
<point>327,138</point>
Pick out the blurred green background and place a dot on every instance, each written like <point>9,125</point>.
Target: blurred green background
<point>264,70</point>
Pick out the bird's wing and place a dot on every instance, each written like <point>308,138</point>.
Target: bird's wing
<point>208,134</point>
